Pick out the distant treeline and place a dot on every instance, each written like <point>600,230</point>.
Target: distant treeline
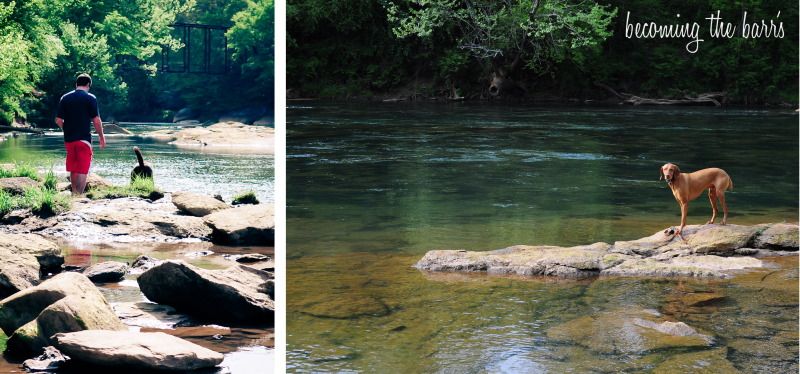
<point>44,44</point>
<point>554,49</point>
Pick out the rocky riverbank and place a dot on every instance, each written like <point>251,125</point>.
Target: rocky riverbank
<point>49,307</point>
<point>709,251</point>
<point>222,136</point>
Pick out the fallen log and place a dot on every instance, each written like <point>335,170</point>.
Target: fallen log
<point>704,98</point>
<point>20,129</point>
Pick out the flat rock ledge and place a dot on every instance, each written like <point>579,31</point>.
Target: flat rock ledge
<point>709,251</point>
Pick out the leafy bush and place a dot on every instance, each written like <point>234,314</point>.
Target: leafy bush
<point>248,197</point>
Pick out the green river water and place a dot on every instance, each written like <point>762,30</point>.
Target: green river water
<point>248,350</point>
<point>372,187</point>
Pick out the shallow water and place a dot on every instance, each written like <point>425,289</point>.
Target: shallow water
<point>176,169</point>
<point>372,187</point>
<point>247,349</point>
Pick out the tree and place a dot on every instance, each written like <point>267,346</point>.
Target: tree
<point>253,40</point>
<point>505,33</point>
<point>28,49</point>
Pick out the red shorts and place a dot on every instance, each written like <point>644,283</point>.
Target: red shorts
<point>79,156</point>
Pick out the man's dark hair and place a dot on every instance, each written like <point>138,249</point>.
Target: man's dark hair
<point>83,80</point>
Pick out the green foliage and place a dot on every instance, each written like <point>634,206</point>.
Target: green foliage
<point>253,42</point>
<point>139,187</point>
<point>50,180</point>
<point>541,32</point>
<point>45,201</point>
<point>248,197</point>
<point>20,170</point>
<point>40,200</point>
<point>7,202</point>
<point>44,44</point>
<point>28,49</point>
<point>346,49</point>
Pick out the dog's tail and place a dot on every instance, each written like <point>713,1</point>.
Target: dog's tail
<point>139,155</point>
<point>730,184</point>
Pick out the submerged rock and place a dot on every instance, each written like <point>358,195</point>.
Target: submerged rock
<point>196,204</point>
<point>243,225</point>
<point>107,271</point>
<point>149,315</point>
<point>247,258</point>
<point>150,351</point>
<point>708,361</point>
<point>234,294</point>
<point>50,360</point>
<point>627,331</point>
<point>709,251</point>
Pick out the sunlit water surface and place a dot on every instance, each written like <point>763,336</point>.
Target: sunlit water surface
<point>372,187</point>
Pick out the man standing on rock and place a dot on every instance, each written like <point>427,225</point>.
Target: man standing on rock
<point>77,109</point>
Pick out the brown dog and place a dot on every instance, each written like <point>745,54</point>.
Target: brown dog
<point>688,186</point>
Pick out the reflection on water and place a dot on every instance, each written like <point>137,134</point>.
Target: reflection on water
<point>371,188</point>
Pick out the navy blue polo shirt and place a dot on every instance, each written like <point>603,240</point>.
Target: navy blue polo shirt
<point>77,108</point>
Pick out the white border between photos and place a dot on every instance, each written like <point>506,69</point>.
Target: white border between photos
<point>280,186</point>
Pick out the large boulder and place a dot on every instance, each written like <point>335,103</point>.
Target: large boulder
<point>72,313</point>
<point>24,258</point>
<point>147,351</point>
<point>123,220</point>
<point>94,181</point>
<point>107,271</point>
<point>235,294</point>
<point>708,251</point>
<point>24,306</point>
<point>196,204</point>
<point>64,303</point>
<point>780,236</point>
<point>17,185</point>
<point>243,225</point>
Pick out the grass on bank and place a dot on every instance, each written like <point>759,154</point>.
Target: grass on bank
<point>248,197</point>
<point>40,200</point>
<point>139,187</point>
<point>21,170</point>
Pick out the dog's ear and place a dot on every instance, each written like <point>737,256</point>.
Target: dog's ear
<point>661,173</point>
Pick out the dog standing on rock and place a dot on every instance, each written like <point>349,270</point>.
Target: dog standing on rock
<point>688,186</point>
<point>142,170</point>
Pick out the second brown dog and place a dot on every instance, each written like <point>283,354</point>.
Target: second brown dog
<point>688,186</point>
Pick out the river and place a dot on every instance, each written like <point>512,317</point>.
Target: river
<point>372,187</point>
<point>247,349</point>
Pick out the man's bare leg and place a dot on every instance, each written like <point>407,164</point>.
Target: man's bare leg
<point>78,183</point>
